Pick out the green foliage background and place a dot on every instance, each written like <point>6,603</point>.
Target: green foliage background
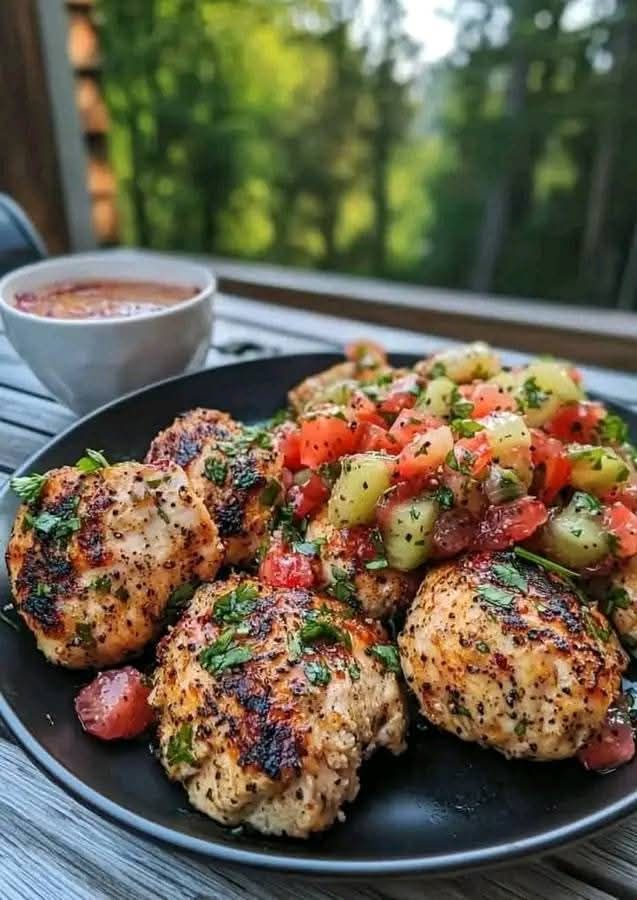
<point>271,130</point>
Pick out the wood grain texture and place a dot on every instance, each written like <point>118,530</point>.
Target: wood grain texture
<point>52,847</point>
<point>29,163</point>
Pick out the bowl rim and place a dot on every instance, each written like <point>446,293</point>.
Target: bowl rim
<point>447,863</point>
<point>200,273</point>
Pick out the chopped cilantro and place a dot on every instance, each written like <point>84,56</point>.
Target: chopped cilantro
<point>233,607</point>
<point>354,671</point>
<point>583,502</point>
<point>341,586</point>
<point>461,408</point>
<point>457,709</point>
<point>317,672</point>
<point>101,584</point>
<point>374,564</point>
<point>593,628</point>
<point>215,470</point>
<point>123,594</point>
<point>308,548</point>
<point>495,596</point>
<point>444,496</point>
<point>520,727</point>
<point>92,461</point>
<point>28,487</point>
<point>465,427</point>
<point>180,747</point>
<point>616,598</point>
<point>321,629</point>
<point>531,394</point>
<point>388,655</point>
<point>295,647</point>
<point>482,647</point>
<point>596,456</point>
<point>508,575</point>
<point>438,369</point>
<point>179,600</point>
<point>224,653</point>
<point>58,526</point>
<point>613,429</point>
<point>292,529</point>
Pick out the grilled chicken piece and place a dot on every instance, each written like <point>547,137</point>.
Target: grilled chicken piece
<point>93,565</point>
<point>624,617</point>
<point>271,730</point>
<point>503,653</point>
<point>235,477</point>
<point>344,554</point>
<point>335,384</point>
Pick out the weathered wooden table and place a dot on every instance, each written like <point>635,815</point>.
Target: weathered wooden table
<point>51,847</point>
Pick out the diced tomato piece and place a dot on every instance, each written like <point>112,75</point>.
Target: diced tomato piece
<point>289,443</point>
<point>611,747</point>
<point>373,437</point>
<point>402,394</point>
<point>363,409</point>
<point>622,523</point>
<point>576,422</point>
<point>454,531</point>
<point>473,455</point>
<point>488,398</point>
<point>327,437</point>
<point>411,422</point>
<point>115,705</point>
<point>549,454</point>
<point>355,543</point>
<point>308,497</point>
<point>281,567</point>
<point>626,494</point>
<point>366,354</point>
<point>425,453</point>
<point>510,523</point>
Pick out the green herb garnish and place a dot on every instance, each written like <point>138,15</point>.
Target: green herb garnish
<point>584,502</point>
<point>613,429</point>
<point>28,487</point>
<point>224,653</point>
<point>270,492</point>
<point>465,427</point>
<point>444,496</point>
<point>495,596</point>
<point>178,601</point>
<point>545,563</point>
<point>233,607</point>
<point>321,629</point>
<point>84,633</point>
<point>215,470</point>
<point>438,370</point>
<point>532,395</point>
<point>616,598</point>
<point>92,461</point>
<point>341,586</point>
<point>308,548</point>
<point>509,576</point>
<point>317,672</point>
<point>101,584</point>
<point>388,655</point>
<point>180,747</point>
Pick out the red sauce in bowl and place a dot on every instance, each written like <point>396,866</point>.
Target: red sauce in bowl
<point>104,299</point>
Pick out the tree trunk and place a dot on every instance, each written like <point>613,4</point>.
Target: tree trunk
<point>497,211</point>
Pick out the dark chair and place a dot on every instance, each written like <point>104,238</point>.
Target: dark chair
<point>20,243</point>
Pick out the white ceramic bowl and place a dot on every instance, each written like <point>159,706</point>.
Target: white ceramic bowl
<point>87,362</point>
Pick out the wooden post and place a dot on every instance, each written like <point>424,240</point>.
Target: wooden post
<point>42,160</point>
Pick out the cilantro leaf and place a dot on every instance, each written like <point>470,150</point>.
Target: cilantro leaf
<point>233,607</point>
<point>341,586</point>
<point>465,427</point>
<point>317,672</point>
<point>545,563</point>
<point>28,487</point>
<point>531,394</point>
<point>92,461</point>
<point>215,470</point>
<point>388,655</point>
<point>509,576</point>
<point>584,502</point>
<point>495,596</point>
<point>616,598</point>
<point>613,429</point>
<point>224,653</point>
<point>444,496</point>
<point>179,748</point>
<point>178,601</point>
<point>101,584</point>
<point>308,548</point>
<point>317,629</point>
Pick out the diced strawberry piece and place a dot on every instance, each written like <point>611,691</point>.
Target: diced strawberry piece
<point>281,567</point>
<point>622,524</point>
<point>411,422</point>
<point>507,524</point>
<point>308,497</point>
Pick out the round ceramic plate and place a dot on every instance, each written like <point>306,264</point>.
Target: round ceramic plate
<point>443,806</point>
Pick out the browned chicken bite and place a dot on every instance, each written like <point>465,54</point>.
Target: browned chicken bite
<point>268,700</point>
<point>622,599</point>
<point>503,653</point>
<point>345,556</point>
<point>235,471</point>
<point>94,563</point>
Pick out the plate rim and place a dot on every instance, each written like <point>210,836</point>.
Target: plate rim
<point>429,865</point>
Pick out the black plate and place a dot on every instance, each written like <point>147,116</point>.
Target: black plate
<point>443,806</point>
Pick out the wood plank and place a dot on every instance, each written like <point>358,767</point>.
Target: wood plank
<point>15,373</point>
<point>45,416</point>
<point>29,169</point>
<point>596,336</point>
<point>16,444</point>
<point>269,320</point>
<point>49,839</point>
